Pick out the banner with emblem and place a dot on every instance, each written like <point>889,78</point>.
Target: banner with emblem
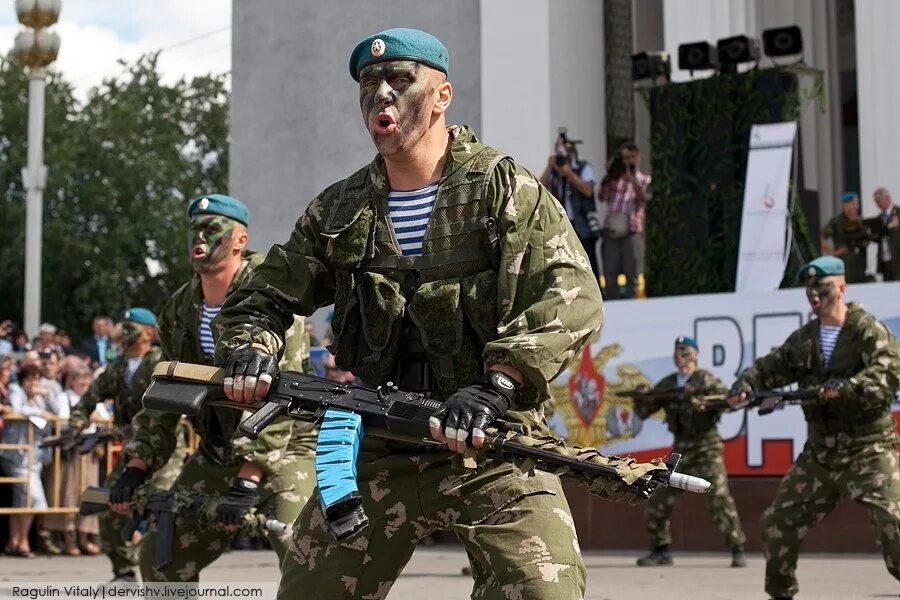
<point>765,221</point>
<point>732,330</point>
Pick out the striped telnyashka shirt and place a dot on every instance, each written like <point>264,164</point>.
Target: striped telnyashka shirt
<point>409,212</point>
<point>206,338</point>
<point>828,335</point>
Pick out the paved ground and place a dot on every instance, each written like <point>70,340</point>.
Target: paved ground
<point>434,573</point>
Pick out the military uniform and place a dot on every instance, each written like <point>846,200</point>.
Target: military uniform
<point>432,322</point>
<point>285,451</point>
<point>697,440</point>
<point>852,235</point>
<point>127,397</point>
<point>851,446</point>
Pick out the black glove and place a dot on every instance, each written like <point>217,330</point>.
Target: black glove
<point>241,497</point>
<point>476,406</point>
<point>250,361</point>
<point>131,478</point>
<point>740,387</point>
<point>843,388</point>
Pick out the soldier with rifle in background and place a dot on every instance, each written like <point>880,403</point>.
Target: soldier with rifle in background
<point>697,439</point>
<point>853,361</point>
<point>847,236</point>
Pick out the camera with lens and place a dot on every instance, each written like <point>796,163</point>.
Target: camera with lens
<point>562,144</point>
<point>617,166</point>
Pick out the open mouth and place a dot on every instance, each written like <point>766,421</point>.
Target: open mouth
<point>198,253</point>
<point>385,124</point>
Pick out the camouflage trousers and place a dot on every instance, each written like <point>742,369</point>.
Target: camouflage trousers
<point>516,528</point>
<point>703,461</point>
<point>866,472</point>
<point>122,554</point>
<point>281,498</point>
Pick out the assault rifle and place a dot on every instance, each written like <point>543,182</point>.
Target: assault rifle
<point>767,401</point>
<point>74,439</point>
<point>699,396</point>
<point>163,506</point>
<point>345,411</point>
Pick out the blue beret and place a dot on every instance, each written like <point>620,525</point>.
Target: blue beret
<point>220,204</point>
<point>822,267</point>
<point>399,44</point>
<point>849,196</point>
<point>684,340</point>
<point>139,314</point>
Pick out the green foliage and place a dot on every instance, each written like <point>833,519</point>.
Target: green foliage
<point>121,170</point>
<point>700,133</point>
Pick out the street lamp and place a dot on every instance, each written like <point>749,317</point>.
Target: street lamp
<point>35,48</point>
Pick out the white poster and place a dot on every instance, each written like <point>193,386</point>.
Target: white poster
<point>765,226</point>
<point>732,330</point>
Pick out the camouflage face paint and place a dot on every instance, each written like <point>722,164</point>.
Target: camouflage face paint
<point>684,355</point>
<point>209,245</point>
<point>821,293</point>
<point>393,98</point>
<point>131,333</point>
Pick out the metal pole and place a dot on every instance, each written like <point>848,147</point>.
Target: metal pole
<point>34,176</point>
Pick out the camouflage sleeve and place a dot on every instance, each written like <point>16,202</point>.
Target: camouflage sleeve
<point>294,279</point>
<point>270,447</point>
<point>102,388</point>
<point>777,368</point>
<point>141,380</point>
<point>548,300</point>
<point>879,382</point>
<point>167,324</point>
<point>708,381</point>
<point>153,437</point>
<point>267,450</point>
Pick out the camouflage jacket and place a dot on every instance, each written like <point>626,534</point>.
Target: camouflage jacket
<point>154,436</point>
<point>528,300</point>
<point>847,233</point>
<point>866,353</point>
<point>687,423</point>
<point>111,384</point>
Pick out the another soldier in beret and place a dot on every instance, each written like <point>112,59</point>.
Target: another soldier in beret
<point>124,380</point>
<point>274,471</point>
<point>847,237</point>
<point>454,272</point>
<point>697,439</point>
<point>854,362</point>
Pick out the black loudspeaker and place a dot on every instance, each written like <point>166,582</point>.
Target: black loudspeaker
<point>738,49</point>
<point>697,56</point>
<point>650,65</point>
<point>782,41</point>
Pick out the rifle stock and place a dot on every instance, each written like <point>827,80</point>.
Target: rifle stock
<point>346,411</point>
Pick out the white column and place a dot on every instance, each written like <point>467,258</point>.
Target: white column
<point>878,81</point>
<point>515,79</point>
<point>34,176</point>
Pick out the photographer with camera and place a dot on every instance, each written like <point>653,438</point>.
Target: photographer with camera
<point>572,181</point>
<point>625,190</point>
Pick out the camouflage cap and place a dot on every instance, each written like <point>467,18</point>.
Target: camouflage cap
<point>400,44</point>
<point>139,314</point>
<point>824,266</point>
<point>220,204</point>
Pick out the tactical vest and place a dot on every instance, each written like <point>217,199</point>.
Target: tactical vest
<point>442,304</point>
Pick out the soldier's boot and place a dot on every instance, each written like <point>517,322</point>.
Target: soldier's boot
<point>658,557</point>
<point>737,557</point>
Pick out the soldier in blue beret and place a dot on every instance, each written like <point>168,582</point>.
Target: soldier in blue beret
<point>274,471</point>
<point>437,221</point>
<point>697,439</point>
<point>847,236</point>
<point>851,362</point>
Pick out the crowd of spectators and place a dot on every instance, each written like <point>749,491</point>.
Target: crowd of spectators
<point>40,381</point>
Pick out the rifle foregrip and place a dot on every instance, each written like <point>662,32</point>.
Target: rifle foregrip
<point>94,500</point>
<point>337,449</point>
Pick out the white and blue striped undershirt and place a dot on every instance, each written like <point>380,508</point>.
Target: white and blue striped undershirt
<point>828,335</point>
<point>207,313</point>
<point>409,212</point>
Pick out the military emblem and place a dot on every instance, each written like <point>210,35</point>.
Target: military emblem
<point>811,272</point>
<point>204,203</point>
<point>592,412</point>
<point>378,47</point>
